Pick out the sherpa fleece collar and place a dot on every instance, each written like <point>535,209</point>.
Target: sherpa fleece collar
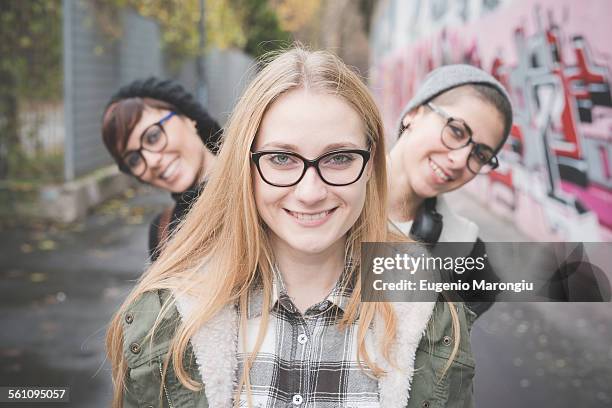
<point>215,346</point>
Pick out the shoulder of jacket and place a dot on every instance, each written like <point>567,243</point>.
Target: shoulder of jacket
<point>440,336</point>
<point>140,342</point>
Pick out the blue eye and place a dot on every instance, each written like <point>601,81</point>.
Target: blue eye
<point>339,160</point>
<point>281,160</point>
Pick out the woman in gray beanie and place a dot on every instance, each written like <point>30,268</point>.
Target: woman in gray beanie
<point>450,131</point>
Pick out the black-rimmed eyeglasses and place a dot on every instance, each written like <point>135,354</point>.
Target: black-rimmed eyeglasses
<point>286,169</point>
<point>152,139</point>
<point>456,134</point>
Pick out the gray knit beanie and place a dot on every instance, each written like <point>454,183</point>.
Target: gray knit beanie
<point>448,77</point>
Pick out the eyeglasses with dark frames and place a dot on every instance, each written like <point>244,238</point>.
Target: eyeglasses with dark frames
<point>152,139</point>
<point>456,134</point>
<point>285,169</point>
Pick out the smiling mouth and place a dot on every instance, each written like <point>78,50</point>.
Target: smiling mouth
<point>170,170</point>
<point>310,217</point>
<point>439,172</point>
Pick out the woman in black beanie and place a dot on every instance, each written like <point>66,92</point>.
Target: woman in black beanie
<point>157,132</point>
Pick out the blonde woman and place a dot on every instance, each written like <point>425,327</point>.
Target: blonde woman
<point>259,306</point>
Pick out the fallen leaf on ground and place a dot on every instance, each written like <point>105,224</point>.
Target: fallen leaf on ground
<point>137,210</point>
<point>101,254</point>
<point>78,227</point>
<point>134,220</point>
<point>26,248</point>
<point>38,277</point>
<point>47,245</point>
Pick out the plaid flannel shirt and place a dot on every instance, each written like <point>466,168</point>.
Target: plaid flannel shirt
<point>305,360</point>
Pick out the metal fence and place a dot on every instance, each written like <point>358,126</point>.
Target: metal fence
<point>61,137</point>
<point>94,67</point>
<point>31,117</point>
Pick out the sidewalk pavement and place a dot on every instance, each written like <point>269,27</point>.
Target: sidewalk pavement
<point>60,287</point>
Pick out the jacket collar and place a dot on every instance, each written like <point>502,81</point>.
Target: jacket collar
<point>215,346</point>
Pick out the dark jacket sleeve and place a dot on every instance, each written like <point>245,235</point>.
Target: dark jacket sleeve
<point>143,353</point>
<point>479,301</point>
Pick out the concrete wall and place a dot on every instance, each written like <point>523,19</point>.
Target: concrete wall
<point>555,181</point>
<point>228,72</point>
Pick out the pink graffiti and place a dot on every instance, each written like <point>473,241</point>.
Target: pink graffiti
<point>562,132</point>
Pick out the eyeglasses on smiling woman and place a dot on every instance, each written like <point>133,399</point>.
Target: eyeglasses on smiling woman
<point>456,134</point>
<point>153,139</point>
<point>286,169</point>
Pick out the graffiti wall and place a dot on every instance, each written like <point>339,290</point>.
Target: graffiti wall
<point>555,178</point>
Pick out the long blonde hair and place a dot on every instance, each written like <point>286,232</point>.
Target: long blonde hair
<point>224,234</point>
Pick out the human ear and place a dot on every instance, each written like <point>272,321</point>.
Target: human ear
<point>407,119</point>
<point>413,115</point>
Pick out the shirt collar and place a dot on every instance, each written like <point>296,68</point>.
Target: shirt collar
<point>337,296</point>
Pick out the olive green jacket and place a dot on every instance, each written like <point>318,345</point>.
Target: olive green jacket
<point>421,352</point>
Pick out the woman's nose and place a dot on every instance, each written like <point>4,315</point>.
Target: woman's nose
<point>311,187</point>
<point>458,157</point>
<point>153,159</point>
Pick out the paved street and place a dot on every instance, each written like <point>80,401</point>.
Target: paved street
<point>61,285</point>
<point>59,289</point>
<point>538,354</point>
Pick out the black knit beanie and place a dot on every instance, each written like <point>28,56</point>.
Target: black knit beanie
<point>172,92</point>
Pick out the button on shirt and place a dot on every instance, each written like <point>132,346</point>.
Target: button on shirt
<point>305,360</point>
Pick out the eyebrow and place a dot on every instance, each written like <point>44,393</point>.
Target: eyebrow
<point>294,148</point>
